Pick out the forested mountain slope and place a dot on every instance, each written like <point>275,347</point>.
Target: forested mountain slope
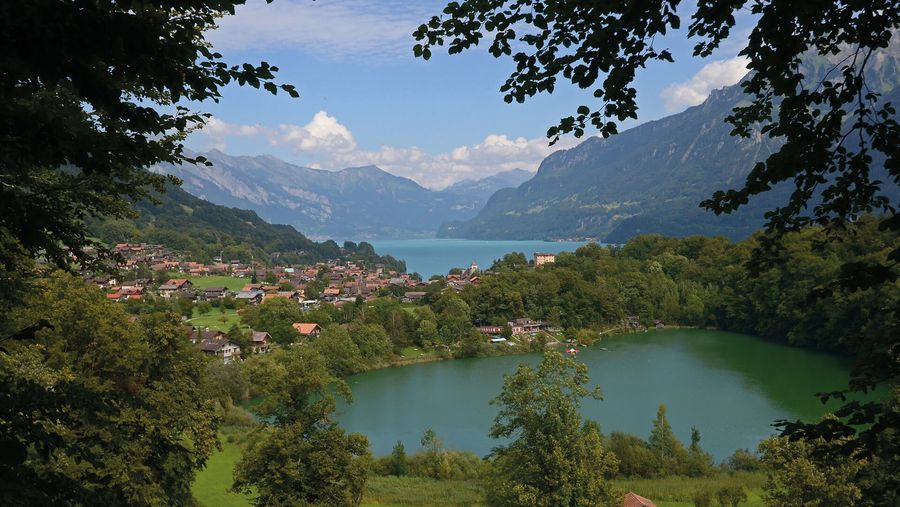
<point>651,178</point>
<point>205,230</point>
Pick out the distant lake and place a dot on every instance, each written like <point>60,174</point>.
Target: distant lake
<point>730,386</point>
<point>437,256</point>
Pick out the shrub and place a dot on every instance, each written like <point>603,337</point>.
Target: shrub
<point>702,498</point>
<point>731,496</point>
<point>742,460</point>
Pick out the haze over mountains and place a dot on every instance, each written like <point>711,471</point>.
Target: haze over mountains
<point>357,203</point>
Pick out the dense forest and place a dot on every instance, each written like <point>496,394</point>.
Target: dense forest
<point>693,281</point>
<point>204,230</point>
<point>700,281</point>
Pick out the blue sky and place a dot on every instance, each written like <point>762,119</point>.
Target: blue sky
<point>365,100</point>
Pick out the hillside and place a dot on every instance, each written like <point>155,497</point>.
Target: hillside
<point>359,202</point>
<point>648,179</point>
<point>205,230</point>
<point>486,187</point>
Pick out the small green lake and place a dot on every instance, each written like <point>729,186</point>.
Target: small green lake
<point>730,386</point>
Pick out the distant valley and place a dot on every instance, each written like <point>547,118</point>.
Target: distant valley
<point>358,203</point>
<point>648,179</point>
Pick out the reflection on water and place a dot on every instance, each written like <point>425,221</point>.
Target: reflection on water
<point>732,387</point>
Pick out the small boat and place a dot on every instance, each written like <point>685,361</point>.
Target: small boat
<point>571,351</point>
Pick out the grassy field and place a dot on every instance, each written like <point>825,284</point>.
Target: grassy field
<point>679,491</point>
<point>412,352</point>
<point>212,483</point>
<point>202,282</point>
<point>213,319</point>
<point>211,486</point>
<point>669,492</point>
<point>404,491</point>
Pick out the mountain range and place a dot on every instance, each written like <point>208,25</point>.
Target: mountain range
<point>648,179</point>
<point>357,202</point>
<point>651,178</point>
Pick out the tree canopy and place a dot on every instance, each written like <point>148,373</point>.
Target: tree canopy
<point>90,94</point>
<point>97,407</point>
<point>301,456</point>
<point>555,458</point>
<point>100,409</point>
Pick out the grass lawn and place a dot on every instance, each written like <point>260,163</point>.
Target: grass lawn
<point>213,319</point>
<point>410,308</point>
<point>202,282</point>
<point>409,352</point>
<point>211,485</point>
<point>679,491</point>
<point>403,491</point>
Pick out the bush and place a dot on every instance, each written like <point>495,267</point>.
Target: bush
<point>742,461</point>
<point>702,498</point>
<point>636,458</point>
<point>446,465</point>
<point>237,416</point>
<point>731,496</point>
<point>435,462</point>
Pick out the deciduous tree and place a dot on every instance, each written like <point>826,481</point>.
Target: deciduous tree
<point>796,475</point>
<point>554,459</point>
<point>100,409</point>
<point>91,94</point>
<point>300,456</point>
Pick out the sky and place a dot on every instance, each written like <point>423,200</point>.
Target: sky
<point>365,100</point>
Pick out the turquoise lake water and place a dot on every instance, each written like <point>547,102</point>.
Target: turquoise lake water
<point>437,256</point>
<point>732,387</point>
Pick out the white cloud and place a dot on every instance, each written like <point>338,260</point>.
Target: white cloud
<point>678,96</point>
<point>496,153</point>
<point>217,131</point>
<point>326,143</point>
<point>361,28</point>
<point>323,134</point>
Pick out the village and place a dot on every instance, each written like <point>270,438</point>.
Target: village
<point>217,292</point>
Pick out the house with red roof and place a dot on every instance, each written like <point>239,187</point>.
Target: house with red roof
<point>307,329</point>
<point>633,499</point>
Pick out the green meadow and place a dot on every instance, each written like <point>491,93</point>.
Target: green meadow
<point>204,281</point>
<point>217,319</point>
<point>211,488</point>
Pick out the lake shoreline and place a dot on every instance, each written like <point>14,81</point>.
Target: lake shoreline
<point>520,350</point>
<point>694,372</point>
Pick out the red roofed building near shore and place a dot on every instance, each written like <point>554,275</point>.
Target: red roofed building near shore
<point>633,499</point>
<point>307,329</point>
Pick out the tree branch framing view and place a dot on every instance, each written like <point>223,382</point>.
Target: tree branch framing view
<point>113,396</point>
